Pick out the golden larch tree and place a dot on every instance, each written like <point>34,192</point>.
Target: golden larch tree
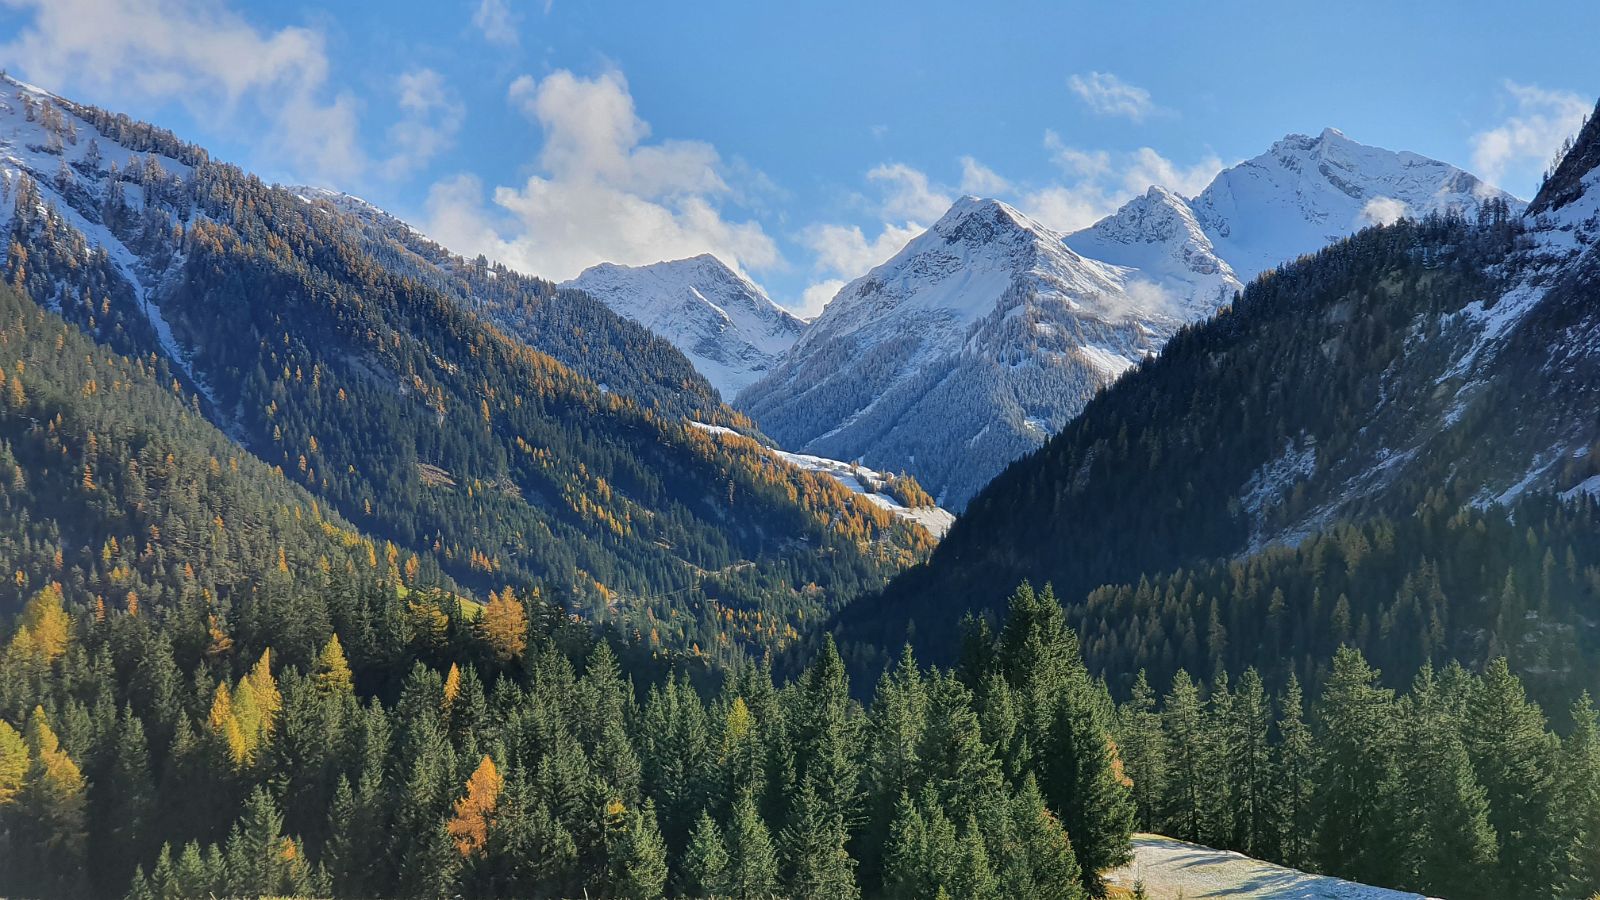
<point>504,625</point>
<point>469,828</point>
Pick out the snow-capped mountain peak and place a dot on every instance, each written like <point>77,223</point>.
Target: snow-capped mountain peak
<point>727,326</point>
<point>1306,192</point>
<point>986,333</point>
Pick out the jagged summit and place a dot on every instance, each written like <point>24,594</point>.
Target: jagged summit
<point>727,326</point>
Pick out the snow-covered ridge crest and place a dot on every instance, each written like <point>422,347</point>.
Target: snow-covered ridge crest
<point>727,326</point>
<point>986,333</point>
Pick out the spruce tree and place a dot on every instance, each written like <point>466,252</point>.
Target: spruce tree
<point>1143,747</point>
<point>1357,777</point>
<point>1515,758</point>
<point>1580,768</point>
<point>640,860</point>
<point>752,863</point>
<point>1451,848</point>
<point>1294,767</point>
<point>818,865</point>
<point>705,861</point>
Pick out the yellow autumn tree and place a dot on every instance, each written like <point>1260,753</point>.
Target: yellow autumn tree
<point>47,623</point>
<point>54,790</point>
<point>225,725</point>
<point>474,813</point>
<point>332,670</point>
<point>452,687</point>
<point>504,625</point>
<point>13,763</point>
<point>256,704</point>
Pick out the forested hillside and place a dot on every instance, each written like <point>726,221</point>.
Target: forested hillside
<point>514,754</point>
<point>1455,787</point>
<point>371,381</point>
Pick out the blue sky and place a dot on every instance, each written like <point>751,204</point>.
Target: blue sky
<point>802,143</point>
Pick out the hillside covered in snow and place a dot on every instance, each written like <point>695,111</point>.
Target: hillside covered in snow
<point>727,326</point>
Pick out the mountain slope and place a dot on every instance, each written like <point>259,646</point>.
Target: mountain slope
<point>616,353</point>
<point>1376,376</point>
<point>113,487</point>
<point>1306,192</point>
<point>729,328</point>
<point>897,372</point>
<point>378,385</point>
<point>979,338</point>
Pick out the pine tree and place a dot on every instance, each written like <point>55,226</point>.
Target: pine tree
<point>752,864</point>
<point>1515,758</point>
<point>705,861</point>
<point>1294,767</point>
<point>1143,746</point>
<point>1356,778</point>
<point>639,864</point>
<point>1580,769</point>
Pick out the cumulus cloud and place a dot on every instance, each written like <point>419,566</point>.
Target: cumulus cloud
<point>494,19</point>
<point>198,52</point>
<point>602,193</point>
<point>908,193</point>
<point>816,296</point>
<point>845,250</point>
<point>1528,138</point>
<point>1147,167</point>
<point>1097,182</point>
<point>1108,95</point>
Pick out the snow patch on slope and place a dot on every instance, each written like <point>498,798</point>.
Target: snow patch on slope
<point>870,484</point>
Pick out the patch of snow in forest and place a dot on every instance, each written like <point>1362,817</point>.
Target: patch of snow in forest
<point>1171,868</point>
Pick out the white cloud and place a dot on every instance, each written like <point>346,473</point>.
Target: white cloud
<point>1529,138</point>
<point>1148,167</point>
<point>1383,211</point>
<point>198,52</point>
<point>908,194</point>
<point>844,249</point>
<point>494,19</point>
<point>602,192</point>
<point>1098,182</point>
<point>1066,209</point>
<point>1108,95</point>
<point>979,179</point>
<point>816,296</point>
<point>431,116</point>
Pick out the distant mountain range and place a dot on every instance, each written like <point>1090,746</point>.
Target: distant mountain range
<point>989,332</point>
<point>1426,372</point>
